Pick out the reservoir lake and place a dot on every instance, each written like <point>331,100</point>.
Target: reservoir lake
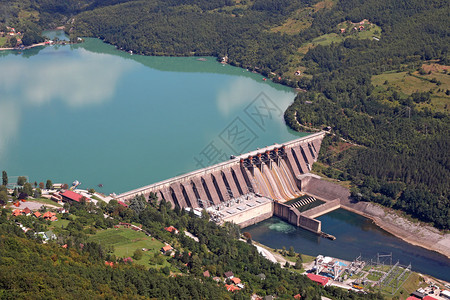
<point>91,113</point>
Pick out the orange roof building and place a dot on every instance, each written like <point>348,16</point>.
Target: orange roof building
<point>236,280</point>
<point>231,288</point>
<point>37,214</point>
<point>26,211</point>
<point>166,249</point>
<point>171,229</point>
<point>16,212</point>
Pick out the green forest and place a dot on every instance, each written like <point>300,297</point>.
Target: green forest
<point>73,266</point>
<point>383,98</point>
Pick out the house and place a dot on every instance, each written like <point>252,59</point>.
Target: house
<point>122,203</point>
<point>48,215</point>
<point>26,211</point>
<point>37,214</point>
<point>229,275</point>
<point>298,73</point>
<point>319,279</point>
<point>206,274</point>
<point>216,279</point>
<point>298,296</point>
<point>62,210</point>
<point>16,212</point>
<point>262,276</point>
<point>342,30</point>
<point>171,229</point>
<point>69,196</point>
<point>236,280</point>
<point>166,249</point>
<point>231,288</point>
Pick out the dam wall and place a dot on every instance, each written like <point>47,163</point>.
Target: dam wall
<point>306,219</point>
<point>271,172</point>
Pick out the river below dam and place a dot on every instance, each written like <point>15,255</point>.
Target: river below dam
<point>92,113</point>
<point>355,236</point>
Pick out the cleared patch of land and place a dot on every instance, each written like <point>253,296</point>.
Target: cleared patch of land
<point>433,78</point>
<point>125,241</point>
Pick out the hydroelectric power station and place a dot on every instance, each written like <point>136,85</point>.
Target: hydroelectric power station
<point>250,187</point>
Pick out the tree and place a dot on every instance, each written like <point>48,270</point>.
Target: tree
<point>91,191</point>
<point>4,178</point>
<point>49,184</point>
<point>37,193</point>
<point>41,185</point>
<point>3,197</point>
<point>21,180</point>
<point>299,262</point>
<point>137,255</point>
<point>28,189</point>
<point>291,251</point>
<point>138,204</point>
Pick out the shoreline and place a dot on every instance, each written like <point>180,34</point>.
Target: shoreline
<point>404,234</point>
<point>24,48</point>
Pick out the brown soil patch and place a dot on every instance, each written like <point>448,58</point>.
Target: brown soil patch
<point>434,68</point>
<point>340,147</point>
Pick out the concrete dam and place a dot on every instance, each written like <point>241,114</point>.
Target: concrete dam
<point>273,172</point>
<point>251,187</point>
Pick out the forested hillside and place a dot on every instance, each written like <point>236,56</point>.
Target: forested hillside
<point>74,267</point>
<point>404,161</point>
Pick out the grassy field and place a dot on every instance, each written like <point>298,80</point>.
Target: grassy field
<point>3,41</point>
<point>437,82</point>
<point>301,18</point>
<point>125,241</point>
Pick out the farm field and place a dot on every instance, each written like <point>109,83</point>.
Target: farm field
<point>125,241</point>
<point>436,80</point>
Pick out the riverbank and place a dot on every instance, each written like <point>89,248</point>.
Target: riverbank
<point>24,48</point>
<point>415,233</point>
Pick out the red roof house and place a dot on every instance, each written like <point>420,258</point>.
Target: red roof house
<point>231,288</point>
<point>166,249</point>
<point>171,229</point>
<point>122,203</point>
<point>37,214</point>
<point>298,296</point>
<point>317,278</point>
<point>71,196</point>
<point>50,216</point>
<point>428,297</point>
<point>26,211</point>
<point>412,298</point>
<point>235,280</point>
<point>206,274</point>
<point>16,212</point>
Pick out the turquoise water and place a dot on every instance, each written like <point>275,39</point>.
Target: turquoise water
<point>91,113</point>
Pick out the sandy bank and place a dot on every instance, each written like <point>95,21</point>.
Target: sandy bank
<point>24,48</point>
<point>416,233</point>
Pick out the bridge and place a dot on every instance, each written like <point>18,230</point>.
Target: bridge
<point>274,172</point>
